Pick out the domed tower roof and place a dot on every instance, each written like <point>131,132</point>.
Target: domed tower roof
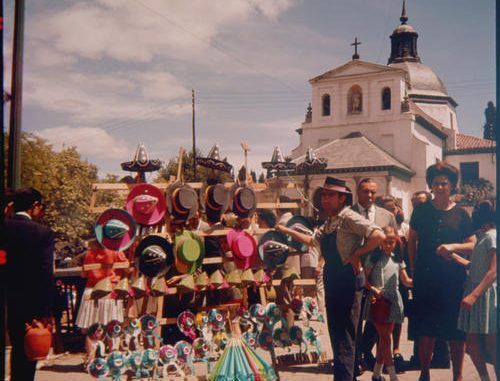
<point>422,80</point>
<point>404,41</point>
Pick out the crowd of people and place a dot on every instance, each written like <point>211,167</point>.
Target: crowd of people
<point>373,270</point>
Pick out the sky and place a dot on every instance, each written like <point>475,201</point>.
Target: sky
<point>105,75</point>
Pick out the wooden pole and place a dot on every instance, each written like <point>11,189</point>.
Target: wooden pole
<point>14,164</point>
<point>194,138</point>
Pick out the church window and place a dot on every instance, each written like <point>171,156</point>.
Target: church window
<point>325,101</point>
<point>386,98</point>
<point>469,172</point>
<point>355,100</point>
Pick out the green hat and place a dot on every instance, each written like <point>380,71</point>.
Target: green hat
<point>189,252</point>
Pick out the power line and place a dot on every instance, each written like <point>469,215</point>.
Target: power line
<point>215,46</point>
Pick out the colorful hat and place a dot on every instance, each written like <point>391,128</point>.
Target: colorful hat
<point>186,285</point>
<point>154,255</point>
<point>244,201</point>
<point>139,287</point>
<point>122,288</point>
<point>98,368</point>
<point>243,247</point>
<point>159,287</point>
<point>184,351</point>
<point>259,277</point>
<point>182,201</point>
<point>301,225</point>
<point>115,229</point>
<point>247,278</point>
<point>147,204</point>
<point>289,274</point>
<point>141,162</point>
<point>201,281</point>
<point>189,252</point>
<point>273,249</point>
<point>114,328</point>
<point>233,278</point>
<point>278,163</point>
<point>334,184</point>
<point>216,320</point>
<point>213,160</point>
<point>167,354</point>
<point>148,323</point>
<point>214,200</point>
<point>102,288</point>
<point>216,279</point>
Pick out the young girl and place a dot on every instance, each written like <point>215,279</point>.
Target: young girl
<point>478,310</point>
<point>383,272</point>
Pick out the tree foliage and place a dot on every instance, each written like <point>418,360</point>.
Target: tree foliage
<point>478,190</point>
<point>65,181</point>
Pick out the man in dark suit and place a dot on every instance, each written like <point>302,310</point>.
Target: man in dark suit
<point>366,193</point>
<point>29,284</point>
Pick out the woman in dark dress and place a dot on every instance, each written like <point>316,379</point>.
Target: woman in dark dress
<point>438,283</point>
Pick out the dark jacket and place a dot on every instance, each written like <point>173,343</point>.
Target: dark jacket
<point>29,274</point>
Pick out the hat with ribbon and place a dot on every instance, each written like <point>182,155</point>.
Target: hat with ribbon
<point>214,161</point>
<point>247,278</point>
<point>154,255</point>
<point>214,200</point>
<point>189,251</point>
<point>302,225</point>
<point>273,249</point>
<point>216,279</point>
<point>115,229</point>
<point>102,288</point>
<point>159,286</point>
<point>244,201</point>
<point>182,201</point>
<point>332,184</point>
<point>201,281</point>
<point>233,278</point>
<point>139,287</point>
<point>122,288</point>
<point>147,204</point>
<point>186,285</point>
<point>289,274</point>
<point>243,247</point>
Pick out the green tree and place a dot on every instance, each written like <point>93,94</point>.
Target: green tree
<point>478,190</point>
<point>170,169</point>
<point>65,180</point>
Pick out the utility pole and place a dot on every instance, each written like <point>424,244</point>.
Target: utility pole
<point>194,139</point>
<point>3,253</point>
<point>14,165</point>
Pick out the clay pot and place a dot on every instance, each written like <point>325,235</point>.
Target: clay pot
<point>37,341</point>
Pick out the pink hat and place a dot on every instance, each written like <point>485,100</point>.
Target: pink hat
<point>244,248</point>
<point>147,204</point>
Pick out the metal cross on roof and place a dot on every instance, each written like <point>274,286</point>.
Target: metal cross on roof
<point>355,56</point>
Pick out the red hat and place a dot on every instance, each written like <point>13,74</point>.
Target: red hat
<point>244,248</point>
<point>147,204</point>
<point>115,229</point>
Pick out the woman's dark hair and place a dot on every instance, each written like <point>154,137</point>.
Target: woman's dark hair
<point>442,169</point>
<point>268,216</point>
<point>483,214</point>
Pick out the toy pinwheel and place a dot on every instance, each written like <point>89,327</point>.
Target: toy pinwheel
<point>216,320</point>
<point>250,338</point>
<point>116,363</point>
<point>149,361</point>
<point>167,357</point>
<point>201,349</point>
<point>185,356</point>
<point>201,324</point>
<point>312,309</point>
<point>297,337</point>
<point>132,331</point>
<point>98,367</point>
<point>114,332</point>
<point>148,324</point>
<point>312,338</point>
<point>220,340</point>
<point>185,323</point>
<point>281,338</point>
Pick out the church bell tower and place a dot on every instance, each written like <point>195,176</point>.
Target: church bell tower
<point>404,41</point>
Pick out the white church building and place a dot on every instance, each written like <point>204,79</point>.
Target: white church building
<point>388,122</point>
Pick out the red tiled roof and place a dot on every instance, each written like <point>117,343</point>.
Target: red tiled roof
<point>472,142</point>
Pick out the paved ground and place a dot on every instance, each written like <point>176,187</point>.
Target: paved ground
<point>68,368</point>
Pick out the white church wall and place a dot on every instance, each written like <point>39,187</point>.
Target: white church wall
<point>487,164</point>
<point>403,191</point>
<point>443,113</point>
<point>426,150</point>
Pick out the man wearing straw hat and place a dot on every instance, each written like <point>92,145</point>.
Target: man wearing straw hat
<point>29,282</point>
<point>344,239</point>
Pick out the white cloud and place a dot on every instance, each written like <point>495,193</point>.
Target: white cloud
<point>92,143</point>
<point>96,98</point>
